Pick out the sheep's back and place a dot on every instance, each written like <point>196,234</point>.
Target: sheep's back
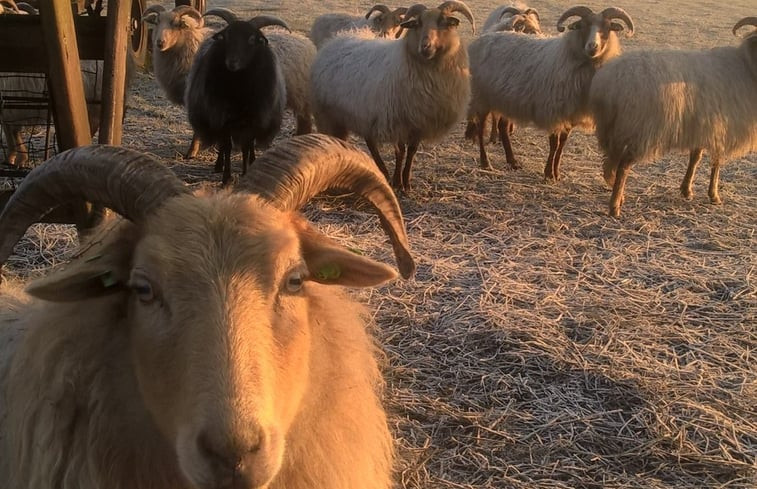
<point>647,103</point>
<point>327,26</point>
<point>372,89</point>
<point>530,80</point>
<point>295,54</point>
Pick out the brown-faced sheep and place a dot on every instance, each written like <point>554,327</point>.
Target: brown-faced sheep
<point>543,81</point>
<point>201,342</point>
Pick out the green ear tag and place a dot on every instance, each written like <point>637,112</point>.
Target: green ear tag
<point>108,279</point>
<point>329,272</point>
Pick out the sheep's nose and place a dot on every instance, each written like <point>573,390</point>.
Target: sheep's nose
<point>160,43</point>
<point>592,48</point>
<point>234,466</point>
<point>427,50</point>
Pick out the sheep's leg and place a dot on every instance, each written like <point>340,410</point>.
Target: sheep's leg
<point>483,157</point>
<point>412,147</point>
<point>621,174</point>
<point>399,159</point>
<point>18,154</point>
<point>549,170</point>
<point>714,180</point>
<point>225,154</point>
<point>494,134</point>
<point>504,136</point>
<point>471,129</point>
<point>194,147</point>
<point>688,181</point>
<point>373,148</point>
<point>561,140</point>
<point>304,124</point>
<point>248,155</point>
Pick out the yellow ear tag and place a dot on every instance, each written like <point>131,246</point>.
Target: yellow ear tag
<point>108,279</point>
<point>329,272</point>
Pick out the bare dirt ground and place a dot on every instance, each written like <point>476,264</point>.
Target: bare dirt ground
<point>543,344</point>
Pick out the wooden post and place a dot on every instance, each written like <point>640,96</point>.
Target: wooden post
<point>114,71</point>
<point>64,72</point>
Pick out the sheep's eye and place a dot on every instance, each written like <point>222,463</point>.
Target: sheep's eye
<point>294,281</point>
<point>142,288</point>
<point>218,37</point>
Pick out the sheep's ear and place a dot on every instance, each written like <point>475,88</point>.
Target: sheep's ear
<point>190,22</point>
<point>331,264</point>
<point>451,21</point>
<point>101,270</point>
<point>151,18</point>
<point>615,26</point>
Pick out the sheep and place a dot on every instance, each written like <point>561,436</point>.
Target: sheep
<point>18,117</point>
<point>177,35</point>
<point>295,54</point>
<point>423,91</point>
<point>517,18</point>
<point>385,24</point>
<point>203,341</point>
<point>235,91</point>
<point>650,102</point>
<point>543,81</point>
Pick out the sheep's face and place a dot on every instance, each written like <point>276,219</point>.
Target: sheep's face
<point>597,33</point>
<point>431,33</point>
<point>170,28</point>
<point>387,24</point>
<point>526,24</point>
<point>242,43</point>
<point>217,294</point>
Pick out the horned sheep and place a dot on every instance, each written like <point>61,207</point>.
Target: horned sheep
<point>647,103</point>
<point>505,65</point>
<point>201,342</point>
<point>513,18</point>
<point>235,91</point>
<point>423,91</point>
<point>385,24</point>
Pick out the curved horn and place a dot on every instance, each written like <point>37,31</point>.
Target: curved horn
<point>291,173</point>
<point>578,10</point>
<point>228,15</point>
<point>190,11</point>
<point>378,8</point>
<point>400,11</point>
<point>157,9</point>
<point>509,10</point>
<point>415,11</point>
<point>618,13</point>
<point>745,21</point>
<point>25,7</point>
<point>457,6</point>
<point>534,12</point>
<point>11,4</point>
<point>131,183</point>
<point>261,21</point>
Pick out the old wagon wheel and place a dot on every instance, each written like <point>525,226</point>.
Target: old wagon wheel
<point>138,33</point>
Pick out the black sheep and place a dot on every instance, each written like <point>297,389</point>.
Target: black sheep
<point>235,91</point>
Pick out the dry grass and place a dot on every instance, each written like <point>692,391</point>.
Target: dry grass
<point>543,344</point>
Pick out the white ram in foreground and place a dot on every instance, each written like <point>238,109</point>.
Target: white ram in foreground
<point>543,81</point>
<point>203,342</point>
<point>422,91</point>
<point>647,103</point>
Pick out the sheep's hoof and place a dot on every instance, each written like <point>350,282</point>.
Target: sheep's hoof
<point>686,193</point>
<point>486,166</point>
<point>615,212</point>
<point>715,200</point>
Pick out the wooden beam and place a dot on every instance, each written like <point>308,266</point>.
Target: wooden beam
<point>23,46</point>
<point>117,42</point>
<point>64,70</point>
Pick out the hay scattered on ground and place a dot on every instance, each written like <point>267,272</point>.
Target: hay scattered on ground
<point>543,344</point>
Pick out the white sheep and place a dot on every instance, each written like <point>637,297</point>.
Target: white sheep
<point>385,24</point>
<point>514,18</point>
<point>422,92</point>
<point>295,54</point>
<point>647,103</point>
<point>543,81</point>
<point>203,341</point>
